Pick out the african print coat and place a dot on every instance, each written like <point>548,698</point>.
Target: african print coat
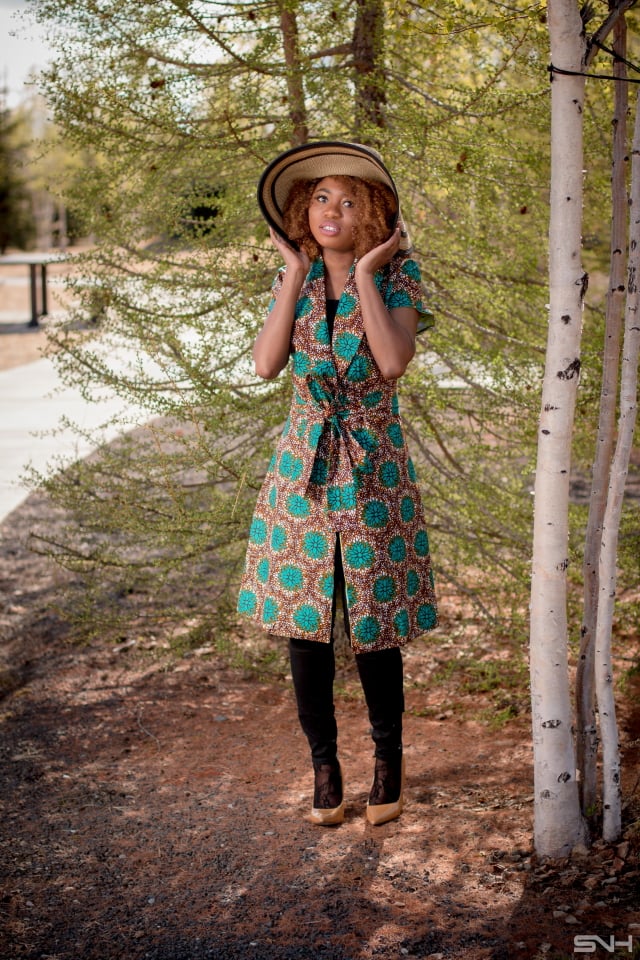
<point>341,467</point>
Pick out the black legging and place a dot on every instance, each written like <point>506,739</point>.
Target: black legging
<point>313,672</point>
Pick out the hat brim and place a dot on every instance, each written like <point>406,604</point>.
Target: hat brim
<point>314,161</point>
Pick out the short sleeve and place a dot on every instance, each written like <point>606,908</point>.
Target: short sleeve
<point>404,288</point>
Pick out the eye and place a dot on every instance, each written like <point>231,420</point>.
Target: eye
<point>321,198</point>
<point>348,203</point>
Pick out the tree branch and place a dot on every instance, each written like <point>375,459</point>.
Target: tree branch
<point>606,27</point>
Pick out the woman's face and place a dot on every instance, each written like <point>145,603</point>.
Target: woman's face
<point>332,215</point>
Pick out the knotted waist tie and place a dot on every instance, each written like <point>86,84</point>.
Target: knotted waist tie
<point>346,436</point>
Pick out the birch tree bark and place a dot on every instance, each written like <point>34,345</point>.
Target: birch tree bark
<point>612,813</point>
<point>587,733</point>
<point>558,823</point>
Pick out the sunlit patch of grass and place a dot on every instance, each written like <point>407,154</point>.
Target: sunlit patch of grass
<point>498,718</point>
<point>493,691</point>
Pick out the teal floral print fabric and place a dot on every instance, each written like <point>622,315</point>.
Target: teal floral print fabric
<point>341,469</point>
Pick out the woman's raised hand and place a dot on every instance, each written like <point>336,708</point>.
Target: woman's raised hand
<point>294,259</point>
<point>379,256</point>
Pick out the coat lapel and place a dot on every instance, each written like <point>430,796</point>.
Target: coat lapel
<point>347,330</point>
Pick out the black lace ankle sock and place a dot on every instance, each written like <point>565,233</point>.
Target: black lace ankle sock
<point>327,793</point>
<point>387,781</point>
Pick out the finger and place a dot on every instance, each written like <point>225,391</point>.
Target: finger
<point>395,236</point>
<point>394,240</point>
<point>277,238</point>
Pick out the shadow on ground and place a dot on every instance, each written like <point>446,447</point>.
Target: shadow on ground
<point>155,808</point>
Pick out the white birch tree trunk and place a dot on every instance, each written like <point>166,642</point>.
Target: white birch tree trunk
<point>611,791</point>
<point>587,732</point>
<point>558,822</point>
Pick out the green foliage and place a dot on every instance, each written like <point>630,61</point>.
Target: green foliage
<point>628,606</point>
<point>478,676</point>
<point>627,615</point>
<point>17,228</point>
<point>179,104</point>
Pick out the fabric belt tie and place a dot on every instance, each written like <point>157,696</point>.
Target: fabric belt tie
<point>345,435</point>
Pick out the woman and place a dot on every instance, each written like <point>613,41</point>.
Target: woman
<point>339,509</point>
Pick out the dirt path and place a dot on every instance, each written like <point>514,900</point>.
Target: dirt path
<point>154,808</point>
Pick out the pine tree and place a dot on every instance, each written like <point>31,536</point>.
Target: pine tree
<point>16,220</point>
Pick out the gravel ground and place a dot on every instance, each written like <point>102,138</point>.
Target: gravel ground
<point>154,807</point>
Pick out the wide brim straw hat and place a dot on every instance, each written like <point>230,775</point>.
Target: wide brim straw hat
<point>314,161</point>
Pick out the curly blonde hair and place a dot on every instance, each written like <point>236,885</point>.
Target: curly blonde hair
<point>375,203</point>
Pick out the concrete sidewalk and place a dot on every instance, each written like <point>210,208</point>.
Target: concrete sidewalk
<point>32,403</point>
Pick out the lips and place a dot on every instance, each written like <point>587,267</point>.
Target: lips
<point>331,229</point>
